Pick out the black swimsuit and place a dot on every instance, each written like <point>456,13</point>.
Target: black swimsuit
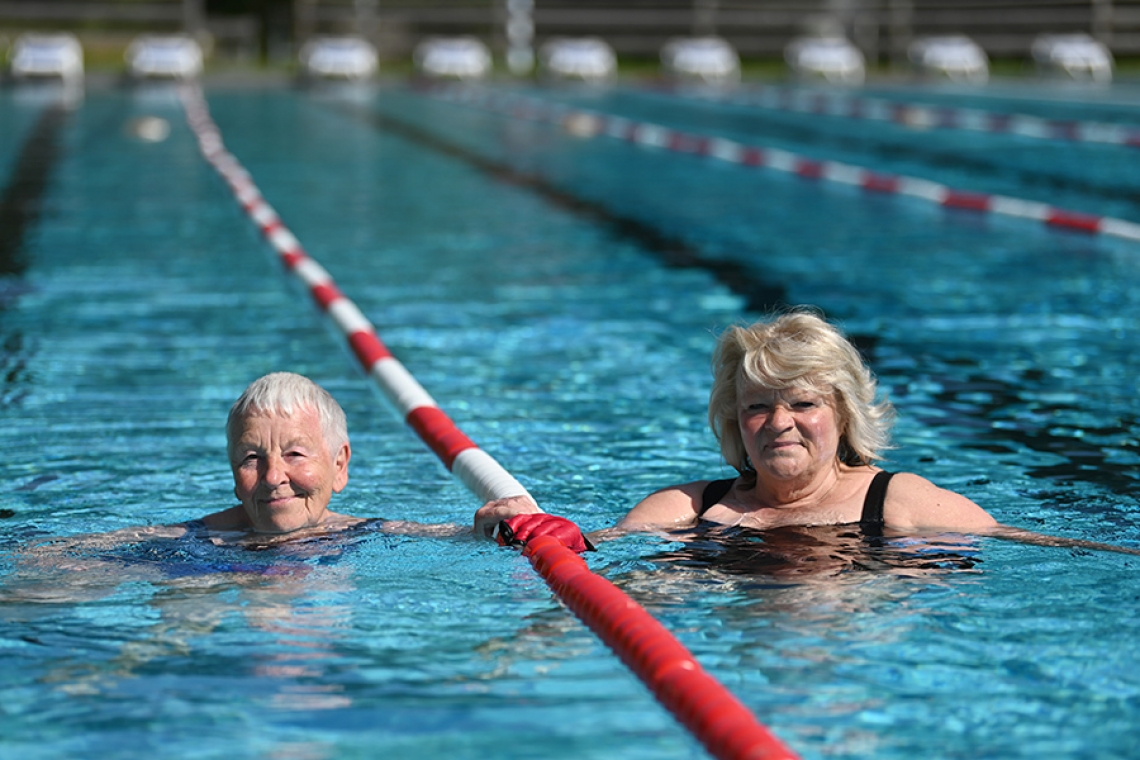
<point>871,521</point>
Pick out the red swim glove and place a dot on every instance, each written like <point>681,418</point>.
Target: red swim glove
<point>521,528</point>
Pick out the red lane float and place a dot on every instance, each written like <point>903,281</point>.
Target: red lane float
<point>584,123</point>
<point>722,724</point>
<point>922,116</point>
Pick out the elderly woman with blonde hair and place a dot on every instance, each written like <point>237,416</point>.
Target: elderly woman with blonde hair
<point>797,414</point>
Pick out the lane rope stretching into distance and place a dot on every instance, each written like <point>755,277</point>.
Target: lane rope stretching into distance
<point>726,728</point>
<point>586,123</point>
<point>923,116</point>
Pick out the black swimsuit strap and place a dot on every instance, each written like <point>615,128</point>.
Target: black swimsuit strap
<point>872,520</point>
<point>714,492</point>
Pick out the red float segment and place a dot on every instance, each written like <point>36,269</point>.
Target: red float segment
<point>1073,220</point>
<point>971,201</point>
<point>440,434</point>
<point>881,183</point>
<point>726,728</point>
<point>368,348</point>
<point>292,258</point>
<point>753,156</point>
<point>325,294</point>
<point>805,167</point>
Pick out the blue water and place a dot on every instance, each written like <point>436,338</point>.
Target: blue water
<point>559,298</point>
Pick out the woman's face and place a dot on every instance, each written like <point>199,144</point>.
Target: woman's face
<point>788,433</point>
<point>284,473</point>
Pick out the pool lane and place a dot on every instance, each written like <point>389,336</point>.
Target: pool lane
<point>924,285</point>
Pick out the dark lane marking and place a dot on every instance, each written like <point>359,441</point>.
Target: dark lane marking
<point>21,202</point>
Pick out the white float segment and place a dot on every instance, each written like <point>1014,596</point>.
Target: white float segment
<point>312,273</point>
<point>845,173</point>
<point>1113,134</point>
<point>284,241</point>
<point>977,121</point>
<point>263,214</point>
<point>920,118</point>
<point>247,194</point>
<point>653,135</point>
<point>780,160</point>
<point>485,477</point>
<point>398,385</point>
<point>1030,126</point>
<point>348,317</point>
<point>921,188</point>
<point>1120,228</point>
<point>1001,204</point>
<point>725,150</point>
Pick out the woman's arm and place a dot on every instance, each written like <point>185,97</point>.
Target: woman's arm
<point>667,509</point>
<point>914,504</point>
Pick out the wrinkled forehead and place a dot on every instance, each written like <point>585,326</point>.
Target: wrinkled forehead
<point>303,419</point>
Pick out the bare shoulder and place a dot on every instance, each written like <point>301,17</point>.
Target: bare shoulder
<point>913,503</point>
<point>672,507</point>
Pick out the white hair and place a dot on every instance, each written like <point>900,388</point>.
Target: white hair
<point>285,393</point>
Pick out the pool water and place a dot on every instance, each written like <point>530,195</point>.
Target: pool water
<point>559,298</point>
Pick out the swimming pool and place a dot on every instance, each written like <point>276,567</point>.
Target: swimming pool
<point>558,296</point>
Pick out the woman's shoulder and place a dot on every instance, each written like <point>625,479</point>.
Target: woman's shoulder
<point>670,507</point>
<point>914,503</point>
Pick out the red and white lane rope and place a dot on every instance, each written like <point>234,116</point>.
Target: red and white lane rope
<point>586,123</point>
<point>475,468</point>
<point>923,116</point>
<point>697,700</point>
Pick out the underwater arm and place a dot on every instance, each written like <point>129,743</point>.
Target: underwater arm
<point>1009,533</point>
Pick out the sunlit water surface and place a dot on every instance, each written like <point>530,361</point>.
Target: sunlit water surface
<point>559,298</point>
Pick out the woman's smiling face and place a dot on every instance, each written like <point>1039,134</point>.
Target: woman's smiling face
<point>284,473</point>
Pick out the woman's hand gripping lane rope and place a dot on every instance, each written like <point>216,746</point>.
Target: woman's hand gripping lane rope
<point>521,528</point>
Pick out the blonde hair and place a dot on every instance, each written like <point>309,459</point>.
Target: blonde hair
<point>285,393</point>
<point>798,350</point>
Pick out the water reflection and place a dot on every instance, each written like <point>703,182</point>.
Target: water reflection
<point>1009,417</point>
<point>161,605</point>
<point>797,553</point>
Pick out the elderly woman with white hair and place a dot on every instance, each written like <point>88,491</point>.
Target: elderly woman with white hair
<point>287,440</point>
<point>797,414</point>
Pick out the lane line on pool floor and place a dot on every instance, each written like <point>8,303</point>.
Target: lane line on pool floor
<point>918,115</point>
<point>726,728</point>
<point>587,123</point>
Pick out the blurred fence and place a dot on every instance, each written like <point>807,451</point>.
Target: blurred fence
<point>757,28</point>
